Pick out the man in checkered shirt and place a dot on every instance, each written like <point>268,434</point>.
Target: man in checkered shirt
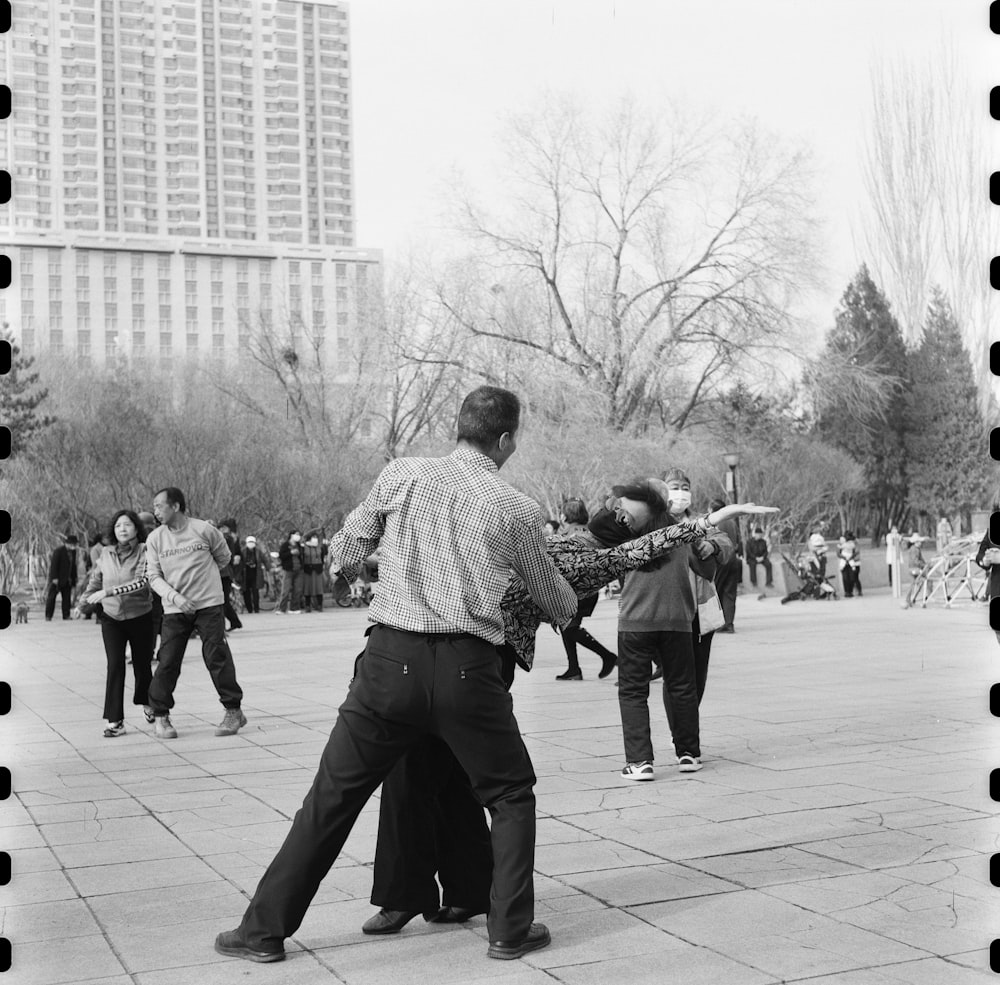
<point>452,535</point>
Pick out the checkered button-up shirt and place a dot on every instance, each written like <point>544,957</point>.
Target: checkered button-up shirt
<point>453,534</point>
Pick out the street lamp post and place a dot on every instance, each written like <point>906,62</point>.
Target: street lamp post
<point>732,459</point>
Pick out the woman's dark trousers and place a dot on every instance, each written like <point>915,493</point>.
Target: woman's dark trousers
<point>138,635</point>
<point>430,821</point>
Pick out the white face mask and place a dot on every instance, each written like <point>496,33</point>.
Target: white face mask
<point>680,500</point>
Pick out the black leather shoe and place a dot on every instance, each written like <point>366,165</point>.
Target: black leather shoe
<point>231,943</point>
<point>536,937</point>
<point>454,914</point>
<point>570,675</point>
<point>608,664</point>
<point>388,921</point>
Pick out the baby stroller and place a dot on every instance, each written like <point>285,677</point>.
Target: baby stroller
<point>812,585</point>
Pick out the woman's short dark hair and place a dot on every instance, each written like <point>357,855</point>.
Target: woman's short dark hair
<point>486,414</point>
<point>174,495</point>
<point>140,528</point>
<point>574,511</point>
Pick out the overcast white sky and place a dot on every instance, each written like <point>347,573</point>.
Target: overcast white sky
<point>433,80</point>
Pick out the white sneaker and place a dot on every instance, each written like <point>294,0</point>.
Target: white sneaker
<point>113,729</point>
<point>638,771</point>
<point>688,764</point>
<point>295,612</point>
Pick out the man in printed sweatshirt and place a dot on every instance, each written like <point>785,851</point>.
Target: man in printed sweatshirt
<point>184,558</point>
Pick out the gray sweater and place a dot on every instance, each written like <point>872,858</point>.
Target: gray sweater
<point>188,561</point>
<point>662,600</point>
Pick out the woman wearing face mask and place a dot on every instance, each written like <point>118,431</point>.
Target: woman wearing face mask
<point>657,626</point>
<point>312,573</point>
<point>290,558</point>
<point>118,581</point>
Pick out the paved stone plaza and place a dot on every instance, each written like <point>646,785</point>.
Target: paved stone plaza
<point>840,831</point>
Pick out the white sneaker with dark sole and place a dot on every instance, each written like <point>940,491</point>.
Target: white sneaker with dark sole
<point>638,771</point>
<point>688,764</point>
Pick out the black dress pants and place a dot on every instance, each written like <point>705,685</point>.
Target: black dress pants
<point>176,631</point>
<point>727,582</point>
<point>137,634</point>
<point>251,593</point>
<point>409,686</point>
<point>227,605</point>
<point>430,821</point>
<point>66,591</point>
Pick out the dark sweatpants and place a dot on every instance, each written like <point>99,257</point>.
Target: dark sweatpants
<point>175,633</point>
<point>408,686</point>
<point>674,652</point>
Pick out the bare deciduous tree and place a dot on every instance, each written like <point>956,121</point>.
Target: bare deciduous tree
<point>646,256</point>
<point>928,213</point>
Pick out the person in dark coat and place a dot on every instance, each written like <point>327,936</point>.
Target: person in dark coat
<point>312,572</point>
<point>231,573</point>
<point>62,577</point>
<point>729,574</point>
<point>290,557</point>
<point>255,564</point>
<point>988,558</point>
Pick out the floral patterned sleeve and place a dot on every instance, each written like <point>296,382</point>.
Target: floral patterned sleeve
<point>587,569</point>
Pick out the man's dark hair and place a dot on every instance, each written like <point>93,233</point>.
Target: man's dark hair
<point>487,413</point>
<point>574,511</point>
<point>174,495</point>
<point>72,539</point>
<point>140,527</point>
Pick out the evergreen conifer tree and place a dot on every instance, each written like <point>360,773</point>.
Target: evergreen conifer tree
<point>20,398</point>
<point>947,439</point>
<point>867,334</point>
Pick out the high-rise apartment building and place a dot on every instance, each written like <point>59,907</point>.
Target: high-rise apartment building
<point>182,171</point>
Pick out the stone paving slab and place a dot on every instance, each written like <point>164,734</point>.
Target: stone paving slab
<point>840,831</point>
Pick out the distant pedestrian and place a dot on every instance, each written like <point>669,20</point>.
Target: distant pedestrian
<point>945,533</point>
<point>988,558</point>
<point>255,567</point>
<point>118,583</point>
<point>574,520</point>
<point>729,573</point>
<point>63,574</point>
<point>184,560</point>
<point>915,543</point>
<point>290,558</point>
<point>892,549</point>
<point>230,573</point>
<point>850,564</point>
<point>312,573</point>
<point>816,556</point>
<point>758,552</point>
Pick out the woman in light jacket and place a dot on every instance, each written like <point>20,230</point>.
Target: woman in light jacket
<point>118,581</point>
